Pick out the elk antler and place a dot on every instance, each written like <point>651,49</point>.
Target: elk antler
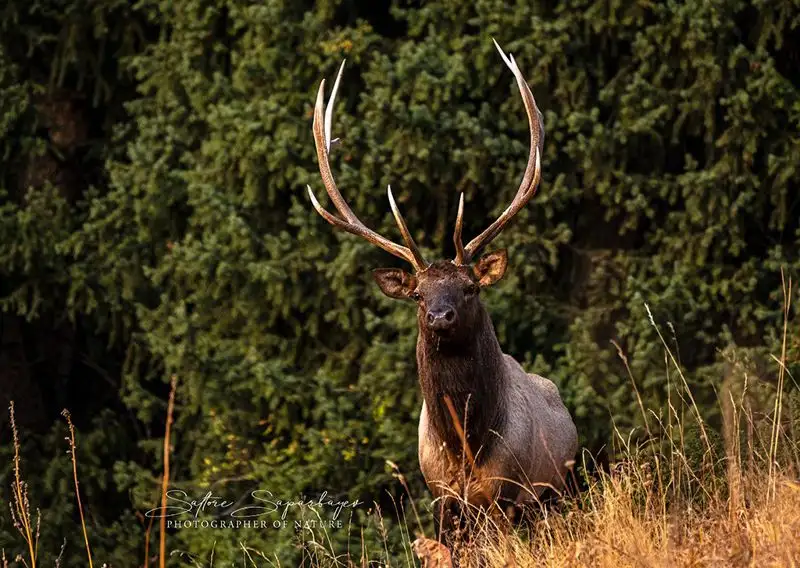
<point>530,181</point>
<point>351,223</point>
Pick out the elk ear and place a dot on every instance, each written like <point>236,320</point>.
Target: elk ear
<point>491,267</point>
<point>395,283</point>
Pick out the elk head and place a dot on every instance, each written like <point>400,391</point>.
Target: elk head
<point>447,294</point>
<point>446,291</point>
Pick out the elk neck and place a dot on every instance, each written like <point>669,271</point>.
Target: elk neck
<point>471,373</point>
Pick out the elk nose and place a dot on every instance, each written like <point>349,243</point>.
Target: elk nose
<point>439,319</point>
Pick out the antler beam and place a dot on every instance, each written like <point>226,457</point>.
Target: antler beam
<point>349,222</point>
<point>530,180</point>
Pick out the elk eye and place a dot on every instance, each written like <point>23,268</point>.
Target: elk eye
<point>470,290</point>
<point>416,296</point>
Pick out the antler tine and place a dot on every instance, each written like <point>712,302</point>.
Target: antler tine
<point>460,255</point>
<point>401,224</point>
<point>329,109</point>
<point>350,223</point>
<point>533,171</point>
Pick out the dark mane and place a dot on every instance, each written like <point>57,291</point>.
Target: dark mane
<point>471,374</point>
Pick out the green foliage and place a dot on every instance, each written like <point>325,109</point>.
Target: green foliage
<point>176,236</point>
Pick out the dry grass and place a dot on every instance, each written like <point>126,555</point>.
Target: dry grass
<point>162,542</point>
<point>624,525</point>
<point>72,446</point>
<point>656,507</point>
<point>20,503</point>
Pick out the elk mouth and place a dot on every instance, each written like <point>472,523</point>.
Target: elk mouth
<point>443,333</point>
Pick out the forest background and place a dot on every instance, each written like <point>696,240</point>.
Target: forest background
<point>154,222</point>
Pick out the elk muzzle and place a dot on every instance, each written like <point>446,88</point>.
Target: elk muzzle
<point>441,318</point>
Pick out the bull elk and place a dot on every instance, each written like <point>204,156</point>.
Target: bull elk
<point>477,400</point>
